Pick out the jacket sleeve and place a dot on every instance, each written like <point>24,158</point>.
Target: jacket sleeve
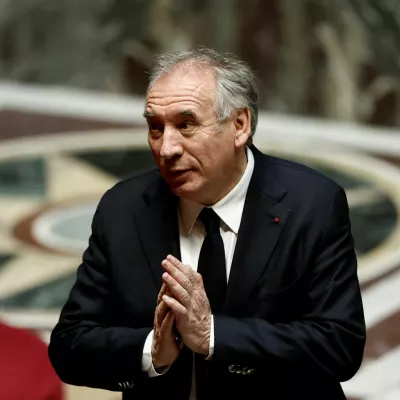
<point>328,335</point>
<point>85,349</point>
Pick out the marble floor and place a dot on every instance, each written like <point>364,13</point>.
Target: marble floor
<point>55,165</point>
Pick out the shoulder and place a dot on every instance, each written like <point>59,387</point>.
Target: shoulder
<point>303,187</point>
<point>130,190</point>
<point>295,172</point>
<point>292,176</point>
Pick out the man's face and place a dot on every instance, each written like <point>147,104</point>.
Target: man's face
<point>195,154</point>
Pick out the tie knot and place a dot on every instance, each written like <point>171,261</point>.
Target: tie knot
<point>210,220</point>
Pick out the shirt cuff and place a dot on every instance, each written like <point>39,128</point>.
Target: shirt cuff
<point>211,348</point>
<point>147,359</point>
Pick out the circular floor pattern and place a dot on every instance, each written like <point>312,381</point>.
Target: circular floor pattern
<point>65,229</point>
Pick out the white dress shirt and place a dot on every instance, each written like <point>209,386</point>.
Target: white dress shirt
<point>192,234</point>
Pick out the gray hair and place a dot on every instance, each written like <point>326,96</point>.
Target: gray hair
<point>236,83</point>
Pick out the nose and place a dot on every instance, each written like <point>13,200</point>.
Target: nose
<point>171,143</point>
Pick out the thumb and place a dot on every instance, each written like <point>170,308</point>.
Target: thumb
<point>167,324</point>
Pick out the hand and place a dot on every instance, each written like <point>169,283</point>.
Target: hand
<point>165,349</point>
<point>189,304</point>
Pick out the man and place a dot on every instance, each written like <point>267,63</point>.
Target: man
<point>225,272</point>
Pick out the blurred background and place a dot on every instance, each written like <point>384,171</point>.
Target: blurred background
<point>72,80</point>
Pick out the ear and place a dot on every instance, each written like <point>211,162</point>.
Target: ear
<point>242,123</point>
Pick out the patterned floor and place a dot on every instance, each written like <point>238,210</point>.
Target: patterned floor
<point>54,166</point>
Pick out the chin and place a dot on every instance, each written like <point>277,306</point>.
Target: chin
<point>185,191</point>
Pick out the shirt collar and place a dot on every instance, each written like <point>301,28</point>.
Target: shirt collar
<point>229,209</point>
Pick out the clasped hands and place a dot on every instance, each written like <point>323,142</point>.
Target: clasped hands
<point>182,301</point>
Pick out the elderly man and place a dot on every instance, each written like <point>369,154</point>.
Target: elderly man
<point>224,272</point>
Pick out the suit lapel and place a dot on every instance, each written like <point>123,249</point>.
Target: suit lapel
<point>263,221</point>
<point>157,224</point>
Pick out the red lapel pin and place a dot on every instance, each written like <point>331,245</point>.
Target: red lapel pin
<point>276,220</point>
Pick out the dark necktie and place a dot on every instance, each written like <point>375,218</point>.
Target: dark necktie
<point>211,264</point>
<point>212,268</point>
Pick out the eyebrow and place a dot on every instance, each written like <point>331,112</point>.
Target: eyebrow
<point>183,113</point>
<point>187,113</point>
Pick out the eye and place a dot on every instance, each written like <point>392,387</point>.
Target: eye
<point>185,125</point>
<point>155,129</point>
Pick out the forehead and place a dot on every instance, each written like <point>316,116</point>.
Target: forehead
<point>186,87</point>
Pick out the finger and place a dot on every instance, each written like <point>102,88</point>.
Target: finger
<point>167,324</point>
<point>178,275</point>
<point>163,290</point>
<point>169,329</point>
<point>160,314</point>
<point>177,291</point>
<point>185,269</point>
<point>176,307</point>
<point>198,280</point>
<point>162,310</point>
<point>162,329</point>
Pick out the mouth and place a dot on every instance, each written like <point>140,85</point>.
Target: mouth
<point>177,173</point>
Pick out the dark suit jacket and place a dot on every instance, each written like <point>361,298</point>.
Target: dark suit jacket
<point>293,312</point>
